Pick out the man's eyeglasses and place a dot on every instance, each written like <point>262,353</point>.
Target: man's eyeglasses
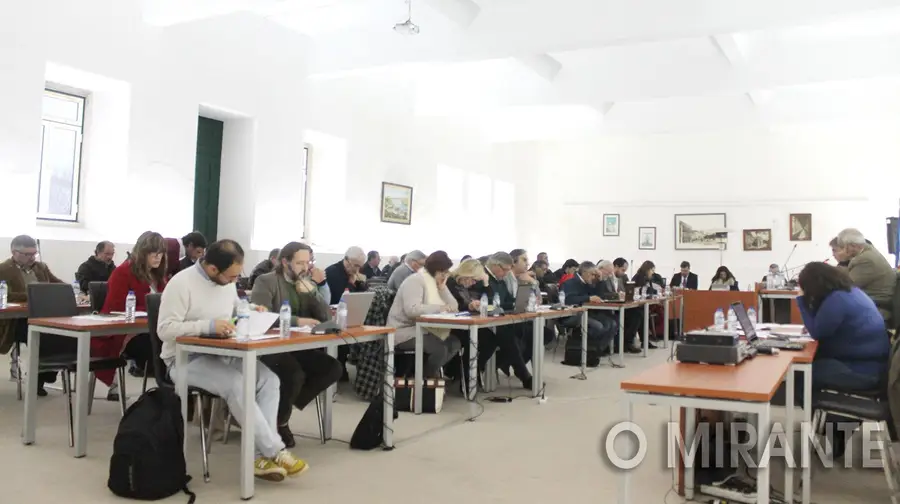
<point>29,255</point>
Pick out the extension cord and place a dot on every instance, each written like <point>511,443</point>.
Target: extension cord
<point>728,495</point>
<point>500,399</point>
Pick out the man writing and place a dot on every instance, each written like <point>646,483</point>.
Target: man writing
<point>201,300</point>
<point>685,279</point>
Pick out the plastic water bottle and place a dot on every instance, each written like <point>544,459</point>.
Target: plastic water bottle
<point>483,309</point>
<point>770,281</point>
<point>284,319</point>
<point>243,319</point>
<point>4,292</point>
<point>496,301</point>
<point>130,303</point>
<point>76,289</point>
<point>732,320</point>
<point>342,312</point>
<point>751,313</point>
<point>719,320</point>
<point>562,298</point>
<point>532,303</point>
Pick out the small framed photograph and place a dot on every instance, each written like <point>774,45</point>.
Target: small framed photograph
<point>757,240</point>
<point>647,238</point>
<point>611,224</point>
<point>801,227</point>
<point>396,203</point>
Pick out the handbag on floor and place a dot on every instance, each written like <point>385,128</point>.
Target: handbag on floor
<point>432,395</point>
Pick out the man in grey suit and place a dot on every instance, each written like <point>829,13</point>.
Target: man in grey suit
<point>411,264</point>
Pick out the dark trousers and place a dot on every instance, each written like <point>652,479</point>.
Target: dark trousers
<point>509,341</point>
<point>304,375</point>
<point>634,319</point>
<point>602,329</point>
<point>457,365</point>
<point>51,345</point>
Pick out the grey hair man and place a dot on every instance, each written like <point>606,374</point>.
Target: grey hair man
<point>345,274</point>
<point>868,269</point>
<point>412,263</point>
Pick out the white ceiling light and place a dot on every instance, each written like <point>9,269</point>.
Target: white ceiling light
<point>407,27</point>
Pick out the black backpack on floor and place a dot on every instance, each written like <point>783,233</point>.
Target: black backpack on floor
<point>148,455</point>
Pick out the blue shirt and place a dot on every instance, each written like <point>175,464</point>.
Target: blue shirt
<point>850,329</point>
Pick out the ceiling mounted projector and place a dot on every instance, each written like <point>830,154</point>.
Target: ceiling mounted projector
<point>407,27</point>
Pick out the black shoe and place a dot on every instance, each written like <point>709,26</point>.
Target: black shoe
<point>287,437</point>
<point>136,372</point>
<point>652,346</point>
<point>41,392</point>
<point>633,350</point>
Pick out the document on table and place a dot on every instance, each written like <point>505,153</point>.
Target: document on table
<point>137,314</point>
<point>302,329</point>
<point>101,318</point>
<point>261,322</point>
<point>462,315</point>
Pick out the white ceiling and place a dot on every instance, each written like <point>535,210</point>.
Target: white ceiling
<point>618,56</point>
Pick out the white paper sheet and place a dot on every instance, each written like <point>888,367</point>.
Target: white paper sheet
<point>101,318</point>
<point>137,314</point>
<point>447,316</point>
<point>302,329</point>
<point>260,322</point>
<point>258,337</point>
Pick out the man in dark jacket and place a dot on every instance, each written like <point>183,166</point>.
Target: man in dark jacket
<point>685,279</point>
<point>194,247</point>
<point>373,260</point>
<point>266,266</point>
<point>345,274</point>
<point>582,289</point>
<point>98,267</point>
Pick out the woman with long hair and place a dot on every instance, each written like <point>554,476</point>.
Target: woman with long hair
<point>644,278</point>
<point>854,346</point>
<point>144,272</point>
<point>724,277</point>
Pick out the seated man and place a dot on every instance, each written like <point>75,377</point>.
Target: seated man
<point>194,245</point>
<point>509,339</point>
<point>98,267</point>
<point>412,263</point>
<point>202,300</point>
<point>266,266</point>
<point>306,373</point>
<point>18,271</point>
<point>345,274</point>
<point>612,286</point>
<point>580,290</point>
<point>868,269</point>
<point>392,264</point>
<point>518,277</point>
<point>685,279</point>
<point>373,260</point>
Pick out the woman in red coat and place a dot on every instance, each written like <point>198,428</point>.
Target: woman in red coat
<point>143,273</point>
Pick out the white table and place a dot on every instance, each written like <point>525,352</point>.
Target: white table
<point>82,329</point>
<point>250,351</point>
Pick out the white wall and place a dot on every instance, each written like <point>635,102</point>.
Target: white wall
<point>845,175</point>
<point>147,86</point>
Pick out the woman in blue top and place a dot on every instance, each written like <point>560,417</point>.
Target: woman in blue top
<point>853,342</point>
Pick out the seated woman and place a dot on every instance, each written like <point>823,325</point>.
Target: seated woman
<point>854,346</point>
<point>306,373</point>
<point>723,277</point>
<point>652,284</point>
<point>567,271</point>
<point>426,293</point>
<point>144,272</point>
<point>467,283</point>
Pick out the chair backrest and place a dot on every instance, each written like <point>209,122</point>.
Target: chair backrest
<point>51,300</point>
<point>894,322</point>
<point>159,367</point>
<point>97,291</point>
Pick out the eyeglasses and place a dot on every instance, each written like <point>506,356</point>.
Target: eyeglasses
<point>26,254</point>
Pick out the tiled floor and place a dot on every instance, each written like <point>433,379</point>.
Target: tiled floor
<point>519,452</point>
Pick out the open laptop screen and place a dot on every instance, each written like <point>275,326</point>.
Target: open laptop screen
<point>744,321</point>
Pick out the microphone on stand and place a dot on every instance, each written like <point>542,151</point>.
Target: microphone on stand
<point>786,261</point>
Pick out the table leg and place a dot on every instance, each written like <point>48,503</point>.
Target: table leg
<point>762,444</point>
<point>789,434</point>
<point>537,336</point>
<point>417,387</point>
<point>34,350</point>
<point>248,434</point>
<point>772,310</point>
<point>328,401</point>
<point>473,362</point>
<point>666,322</point>
<point>807,419</point>
<point>690,427</point>
<point>82,386</point>
<point>628,450</point>
<point>584,341</point>
<point>388,394</point>
<point>646,328</point>
<point>181,387</point>
<point>622,337</point>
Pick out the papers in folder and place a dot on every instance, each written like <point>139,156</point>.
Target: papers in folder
<point>260,323</point>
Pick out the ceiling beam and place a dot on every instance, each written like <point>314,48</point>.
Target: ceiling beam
<point>542,64</point>
<point>460,12</point>
<point>728,47</point>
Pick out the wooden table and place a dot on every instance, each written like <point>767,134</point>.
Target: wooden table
<point>473,324</point>
<point>645,303</point>
<point>771,295</point>
<point>250,350</point>
<point>700,306</point>
<point>747,387</point>
<point>82,329</point>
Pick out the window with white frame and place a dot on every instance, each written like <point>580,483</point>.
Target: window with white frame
<point>304,189</point>
<point>61,133</point>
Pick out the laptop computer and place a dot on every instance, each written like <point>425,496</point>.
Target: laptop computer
<point>358,304</point>
<point>750,332</point>
<point>629,294</point>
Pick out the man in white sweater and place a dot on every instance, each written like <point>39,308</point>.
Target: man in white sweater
<point>201,300</point>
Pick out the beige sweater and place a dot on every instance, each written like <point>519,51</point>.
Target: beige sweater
<point>411,302</point>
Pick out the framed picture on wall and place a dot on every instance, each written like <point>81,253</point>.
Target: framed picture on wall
<point>396,203</point>
<point>647,238</point>
<point>611,224</point>
<point>700,232</point>
<point>757,240</point>
<point>801,227</point>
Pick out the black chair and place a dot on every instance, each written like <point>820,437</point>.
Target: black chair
<point>97,292</point>
<point>58,300</point>
<point>161,373</point>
